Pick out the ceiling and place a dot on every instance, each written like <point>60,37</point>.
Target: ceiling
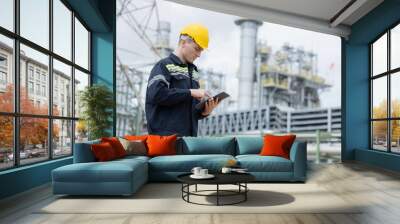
<point>327,16</point>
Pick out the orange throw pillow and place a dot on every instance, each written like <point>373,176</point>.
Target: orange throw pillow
<point>135,137</point>
<point>161,145</point>
<point>103,152</point>
<point>116,145</point>
<point>277,145</point>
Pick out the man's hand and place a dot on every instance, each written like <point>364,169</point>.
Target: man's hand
<point>209,106</point>
<point>199,93</point>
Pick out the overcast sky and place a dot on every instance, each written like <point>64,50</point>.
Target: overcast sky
<point>224,47</point>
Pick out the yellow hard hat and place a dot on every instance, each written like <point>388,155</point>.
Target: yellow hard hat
<point>198,32</point>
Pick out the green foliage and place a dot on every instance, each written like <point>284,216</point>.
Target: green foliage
<point>97,103</point>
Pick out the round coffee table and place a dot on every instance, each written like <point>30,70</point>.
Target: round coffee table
<point>238,179</point>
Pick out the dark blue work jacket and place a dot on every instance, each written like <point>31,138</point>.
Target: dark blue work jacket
<point>170,108</point>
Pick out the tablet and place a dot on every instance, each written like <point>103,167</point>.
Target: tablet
<point>220,96</point>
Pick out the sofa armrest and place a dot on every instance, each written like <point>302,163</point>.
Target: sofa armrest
<point>298,155</point>
<point>83,152</point>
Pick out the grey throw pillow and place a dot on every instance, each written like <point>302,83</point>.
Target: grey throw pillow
<point>136,147</point>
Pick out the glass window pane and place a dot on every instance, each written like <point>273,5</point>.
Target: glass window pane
<point>35,21</point>
<point>395,135</point>
<point>33,139</point>
<point>62,89</point>
<point>395,47</point>
<point>81,45</point>
<point>379,55</point>
<point>379,97</point>
<point>62,29</point>
<point>34,72</point>
<point>81,131</point>
<point>395,94</point>
<point>7,14</point>
<point>379,135</point>
<point>6,74</point>
<point>6,142</point>
<point>62,138</point>
<point>81,81</point>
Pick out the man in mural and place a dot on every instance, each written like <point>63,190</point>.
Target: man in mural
<point>173,87</point>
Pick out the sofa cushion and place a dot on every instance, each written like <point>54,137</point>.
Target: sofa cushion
<point>112,171</point>
<point>134,147</point>
<point>136,137</point>
<point>248,145</point>
<point>116,145</point>
<point>277,145</point>
<point>207,145</point>
<point>185,163</point>
<point>93,172</point>
<point>103,152</point>
<point>161,145</point>
<point>257,163</point>
<point>132,158</point>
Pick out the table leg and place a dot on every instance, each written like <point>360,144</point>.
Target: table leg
<point>196,188</point>
<point>182,188</point>
<point>217,194</point>
<point>245,193</point>
<point>188,190</point>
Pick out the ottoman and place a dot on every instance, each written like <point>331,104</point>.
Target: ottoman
<point>119,177</point>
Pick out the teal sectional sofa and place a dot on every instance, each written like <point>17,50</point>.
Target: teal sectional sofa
<point>125,176</point>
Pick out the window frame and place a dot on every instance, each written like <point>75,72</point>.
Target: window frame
<point>16,114</point>
<point>388,74</point>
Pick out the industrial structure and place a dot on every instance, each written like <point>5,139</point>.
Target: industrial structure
<point>130,109</point>
<point>278,90</point>
<point>272,119</point>
<point>287,77</point>
<point>162,45</point>
<point>246,75</point>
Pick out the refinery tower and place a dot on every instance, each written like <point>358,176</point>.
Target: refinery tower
<point>287,77</point>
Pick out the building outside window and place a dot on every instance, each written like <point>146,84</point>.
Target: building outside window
<point>3,71</point>
<point>37,74</point>
<point>3,78</point>
<point>3,61</point>
<point>38,89</point>
<point>43,77</point>
<point>30,72</point>
<point>43,90</point>
<point>30,87</point>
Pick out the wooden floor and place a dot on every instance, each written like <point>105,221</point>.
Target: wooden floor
<point>354,182</point>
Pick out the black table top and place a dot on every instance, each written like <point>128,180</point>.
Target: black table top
<point>220,178</point>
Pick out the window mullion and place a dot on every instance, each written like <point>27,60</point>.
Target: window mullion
<point>371,99</point>
<point>16,70</point>
<point>50,81</point>
<point>389,105</point>
<point>73,81</point>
